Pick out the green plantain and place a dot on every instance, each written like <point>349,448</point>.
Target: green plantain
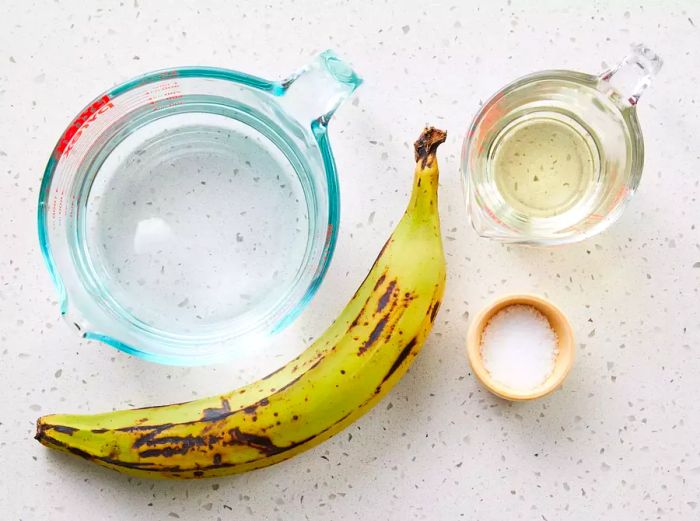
<point>338,378</point>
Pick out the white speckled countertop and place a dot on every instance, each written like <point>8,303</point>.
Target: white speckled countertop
<point>618,441</point>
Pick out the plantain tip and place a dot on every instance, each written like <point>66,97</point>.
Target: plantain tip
<point>427,143</point>
<point>40,428</point>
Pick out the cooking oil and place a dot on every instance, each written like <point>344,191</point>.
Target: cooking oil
<point>551,158</point>
<point>543,166</point>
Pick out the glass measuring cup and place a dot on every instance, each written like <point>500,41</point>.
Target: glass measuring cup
<point>555,156</point>
<point>188,214</point>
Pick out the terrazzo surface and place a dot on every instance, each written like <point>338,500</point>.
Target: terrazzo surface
<point>618,441</point>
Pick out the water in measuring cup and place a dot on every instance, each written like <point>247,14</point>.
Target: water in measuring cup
<point>193,219</point>
<point>544,166</point>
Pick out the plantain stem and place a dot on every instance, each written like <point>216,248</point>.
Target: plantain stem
<point>427,144</point>
<point>423,203</point>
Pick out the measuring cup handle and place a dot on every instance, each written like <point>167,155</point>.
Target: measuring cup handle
<point>314,93</point>
<point>633,75</point>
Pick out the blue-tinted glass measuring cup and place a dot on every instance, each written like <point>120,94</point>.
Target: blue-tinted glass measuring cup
<point>187,215</point>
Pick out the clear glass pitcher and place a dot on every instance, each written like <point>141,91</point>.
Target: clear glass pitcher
<point>555,156</point>
<point>187,215</point>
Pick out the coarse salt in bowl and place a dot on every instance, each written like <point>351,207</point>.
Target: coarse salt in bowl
<point>521,347</point>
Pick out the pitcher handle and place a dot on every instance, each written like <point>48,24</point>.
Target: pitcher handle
<point>633,75</point>
<point>313,93</point>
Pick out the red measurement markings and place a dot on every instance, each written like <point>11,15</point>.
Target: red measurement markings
<point>165,91</point>
<point>52,204</point>
<point>71,210</point>
<point>489,121</point>
<point>620,196</point>
<point>79,124</point>
<point>60,207</point>
<point>327,244</point>
<point>495,217</point>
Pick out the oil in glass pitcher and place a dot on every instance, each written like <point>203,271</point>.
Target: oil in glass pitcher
<point>554,156</point>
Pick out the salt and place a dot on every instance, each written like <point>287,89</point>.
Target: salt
<point>519,347</point>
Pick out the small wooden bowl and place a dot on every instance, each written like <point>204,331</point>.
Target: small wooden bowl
<point>558,322</point>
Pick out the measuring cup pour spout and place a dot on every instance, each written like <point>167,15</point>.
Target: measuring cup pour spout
<point>632,76</point>
<point>314,93</point>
